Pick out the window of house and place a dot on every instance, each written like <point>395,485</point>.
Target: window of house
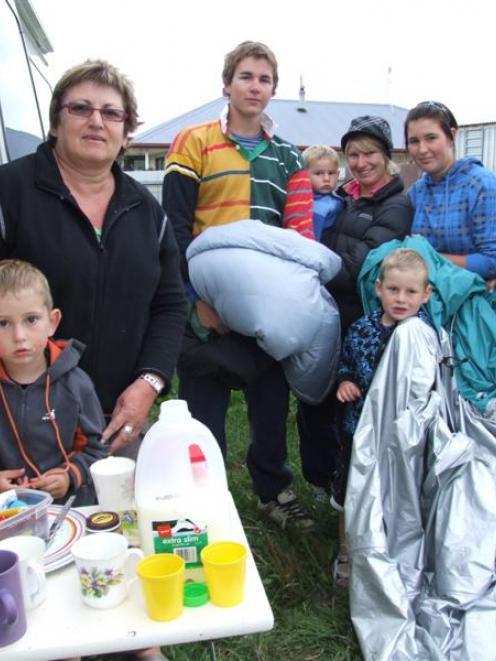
<point>134,162</point>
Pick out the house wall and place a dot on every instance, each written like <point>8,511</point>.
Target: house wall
<point>478,140</point>
<point>146,158</point>
<point>151,179</point>
<point>150,158</point>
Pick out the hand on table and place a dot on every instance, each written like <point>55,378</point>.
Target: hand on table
<point>129,415</point>
<point>209,318</point>
<point>348,391</point>
<point>10,479</point>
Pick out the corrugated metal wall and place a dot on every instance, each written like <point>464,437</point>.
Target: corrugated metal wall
<point>478,141</point>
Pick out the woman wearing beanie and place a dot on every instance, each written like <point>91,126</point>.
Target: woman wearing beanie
<point>455,200</point>
<point>375,210</point>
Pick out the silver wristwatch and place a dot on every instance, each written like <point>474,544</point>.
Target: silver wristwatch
<point>154,381</point>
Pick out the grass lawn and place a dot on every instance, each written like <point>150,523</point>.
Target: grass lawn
<point>311,616</point>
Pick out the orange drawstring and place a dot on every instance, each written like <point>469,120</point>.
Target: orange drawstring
<point>53,422</point>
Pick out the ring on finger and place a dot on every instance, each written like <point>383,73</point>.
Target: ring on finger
<point>127,429</point>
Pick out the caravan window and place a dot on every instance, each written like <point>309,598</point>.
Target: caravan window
<point>22,126</point>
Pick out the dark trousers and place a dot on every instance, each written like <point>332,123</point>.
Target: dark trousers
<point>325,456</point>
<point>267,401</point>
<point>341,481</point>
<point>318,429</point>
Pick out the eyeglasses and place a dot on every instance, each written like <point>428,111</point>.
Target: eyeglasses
<point>108,114</point>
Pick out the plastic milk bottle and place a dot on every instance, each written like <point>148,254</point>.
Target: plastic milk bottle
<point>181,490</point>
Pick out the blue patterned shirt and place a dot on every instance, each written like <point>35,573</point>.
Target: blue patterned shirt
<point>362,350</point>
<point>457,214</point>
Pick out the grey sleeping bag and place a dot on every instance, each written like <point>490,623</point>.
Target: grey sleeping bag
<point>267,282</point>
<point>420,510</point>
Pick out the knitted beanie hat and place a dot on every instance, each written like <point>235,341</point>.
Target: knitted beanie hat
<point>375,127</point>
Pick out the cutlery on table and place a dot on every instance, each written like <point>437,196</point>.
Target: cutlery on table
<point>59,519</point>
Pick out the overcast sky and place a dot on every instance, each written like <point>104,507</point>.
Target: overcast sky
<point>173,49</point>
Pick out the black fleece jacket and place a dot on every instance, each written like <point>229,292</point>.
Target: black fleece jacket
<point>121,296</point>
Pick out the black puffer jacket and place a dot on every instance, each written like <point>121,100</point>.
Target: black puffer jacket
<point>121,296</point>
<point>362,225</point>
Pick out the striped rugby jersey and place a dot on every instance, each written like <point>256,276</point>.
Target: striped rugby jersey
<point>267,184</point>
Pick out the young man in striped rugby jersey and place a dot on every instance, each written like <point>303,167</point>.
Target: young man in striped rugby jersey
<point>229,169</point>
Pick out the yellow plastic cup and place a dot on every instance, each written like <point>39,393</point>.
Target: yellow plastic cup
<point>162,579</point>
<point>225,567</point>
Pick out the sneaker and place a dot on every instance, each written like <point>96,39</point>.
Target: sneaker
<point>341,570</point>
<point>320,495</point>
<point>334,503</point>
<point>286,511</point>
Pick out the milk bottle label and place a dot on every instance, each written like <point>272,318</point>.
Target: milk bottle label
<point>182,537</point>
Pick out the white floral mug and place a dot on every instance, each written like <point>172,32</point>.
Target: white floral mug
<point>105,567</point>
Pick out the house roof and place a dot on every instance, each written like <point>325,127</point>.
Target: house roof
<point>320,122</point>
<point>20,143</point>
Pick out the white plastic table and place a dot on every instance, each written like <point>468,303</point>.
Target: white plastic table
<point>63,626</point>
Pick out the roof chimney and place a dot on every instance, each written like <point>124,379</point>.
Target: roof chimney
<point>302,105</point>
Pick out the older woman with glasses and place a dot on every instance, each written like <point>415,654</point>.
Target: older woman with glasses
<point>103,242</point>
<point>455,200</point>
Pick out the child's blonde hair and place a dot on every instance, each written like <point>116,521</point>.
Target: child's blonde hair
<point>314,152</point>
<point>404,259</point>
<point>16,275</point>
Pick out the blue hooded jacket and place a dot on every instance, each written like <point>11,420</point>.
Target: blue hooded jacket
<point>325,209</point>
<point>462,305</point>
<point>457,214</point>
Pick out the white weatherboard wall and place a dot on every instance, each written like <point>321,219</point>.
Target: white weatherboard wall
<point>479,141</point>
<point>152,179</point>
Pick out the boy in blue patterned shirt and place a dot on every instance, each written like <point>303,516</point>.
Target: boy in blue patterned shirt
<point>403,287</point>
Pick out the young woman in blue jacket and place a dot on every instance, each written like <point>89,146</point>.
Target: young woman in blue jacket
<point>454,200</point>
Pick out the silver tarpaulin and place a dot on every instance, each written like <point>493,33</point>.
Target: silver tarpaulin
<point>421,510</point>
